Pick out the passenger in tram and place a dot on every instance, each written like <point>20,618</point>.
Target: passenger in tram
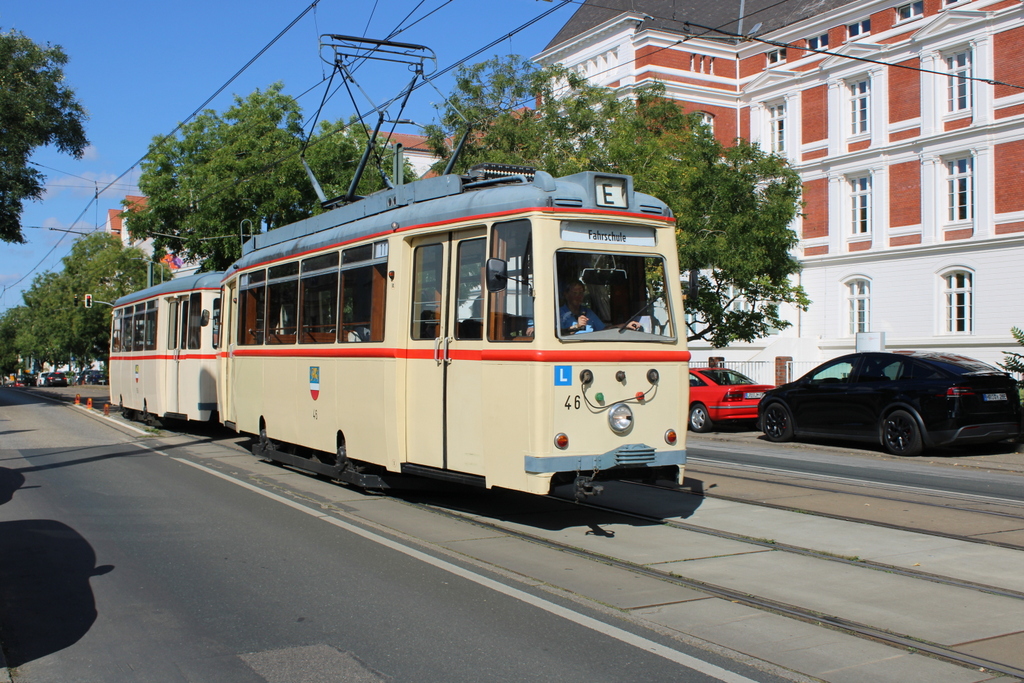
<point>575,318</point>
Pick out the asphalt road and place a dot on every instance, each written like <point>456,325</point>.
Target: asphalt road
<point>119,563</point>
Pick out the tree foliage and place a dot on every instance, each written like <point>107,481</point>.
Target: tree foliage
<point>222,170</point>
<point>53,326</point>
<point>733,204</point>
<point>1014,362</point>
<point>37,108</point>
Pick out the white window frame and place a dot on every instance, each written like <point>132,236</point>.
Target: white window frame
<point>858,29</point>
<point>859,92</point>
<point>909,11</point>
<point>708,120</point>
<point>860,204</point>
<point>958,301</point>
<point>819,42</point>
<point>858,305</point>
<point>959,189</point>
<point>959,87</point>
<point>776,56</point>
<point>776,127</point>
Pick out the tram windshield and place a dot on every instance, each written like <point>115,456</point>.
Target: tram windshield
<point>612,297</point>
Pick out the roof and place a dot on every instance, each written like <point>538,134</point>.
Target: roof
<point>434,200</point>
<point>734,16</point>
<point>175,285</point>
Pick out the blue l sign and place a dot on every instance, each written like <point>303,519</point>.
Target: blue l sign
<point>563,375</point>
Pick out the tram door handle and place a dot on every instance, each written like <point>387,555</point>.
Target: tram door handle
<point>437,349</point>
<point>446,357</point>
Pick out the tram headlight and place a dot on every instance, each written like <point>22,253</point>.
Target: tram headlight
<point>620,418</point>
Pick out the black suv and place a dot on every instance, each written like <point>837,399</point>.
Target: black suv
<point>905,401</point>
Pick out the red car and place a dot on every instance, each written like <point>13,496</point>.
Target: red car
<point>720,394</point>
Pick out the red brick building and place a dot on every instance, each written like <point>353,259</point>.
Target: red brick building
<point>906,123</point>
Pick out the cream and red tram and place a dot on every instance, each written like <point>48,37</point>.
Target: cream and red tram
<point>417,331</point>
<point>163,357</point>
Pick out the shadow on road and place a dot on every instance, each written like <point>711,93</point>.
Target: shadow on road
<point>46,602</point>
<point>10,481</point>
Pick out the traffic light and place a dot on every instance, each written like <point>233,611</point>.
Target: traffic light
<point>88,300</point>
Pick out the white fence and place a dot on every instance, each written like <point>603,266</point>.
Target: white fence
<point>761,371</point>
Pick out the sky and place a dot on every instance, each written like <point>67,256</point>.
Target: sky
<point>140,68</point>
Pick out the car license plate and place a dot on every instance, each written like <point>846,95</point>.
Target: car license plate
<point>754,394</point>
<point>994,397</point>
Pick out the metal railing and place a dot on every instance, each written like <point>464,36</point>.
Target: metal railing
<point>761,371</point>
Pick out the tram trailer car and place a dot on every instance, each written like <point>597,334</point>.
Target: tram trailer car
<point>163,350</point>
<point>423,330</point>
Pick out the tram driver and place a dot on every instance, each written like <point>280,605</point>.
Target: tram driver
<point>575,318</point>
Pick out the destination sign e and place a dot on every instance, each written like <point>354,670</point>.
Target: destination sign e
<point>611,192</point>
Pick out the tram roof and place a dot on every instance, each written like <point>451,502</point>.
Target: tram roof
<point>438,200</point>
<point>179,284</point>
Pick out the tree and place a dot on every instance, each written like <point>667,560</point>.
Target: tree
<point>733,204</point>
<point>36,109</point>
<point>53,326</point>
<point>1014,362</point>
<point>220,171</point>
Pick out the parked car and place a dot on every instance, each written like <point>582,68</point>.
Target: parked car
<point>91,377</point>
<point>24,380</point>
<point>720,395</point>
<point>55,379</point>
<point>904,401</point>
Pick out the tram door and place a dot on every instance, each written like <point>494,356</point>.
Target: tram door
<point>443,398</point>
<point>176,317</point>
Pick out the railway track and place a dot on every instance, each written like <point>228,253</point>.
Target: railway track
<point>813,616</point>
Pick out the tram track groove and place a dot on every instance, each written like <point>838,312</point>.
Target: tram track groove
<point>758,602</point>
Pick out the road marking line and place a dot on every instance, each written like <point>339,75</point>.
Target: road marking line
<point>622,635</point>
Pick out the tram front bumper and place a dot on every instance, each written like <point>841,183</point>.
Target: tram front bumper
<point>625,457</point>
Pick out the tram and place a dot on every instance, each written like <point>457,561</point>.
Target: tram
<point>163,350</point>
<point>501,329</point>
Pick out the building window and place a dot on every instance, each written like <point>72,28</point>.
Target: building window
<point>859,28</point>
<point>860,205</point>
<point>777,128</point>
<point>858,302</point>
<point>911,10</point>
<point>708,120</point>
<point>860,106</point>
<point>959,295</point>
<point>959,85</point>
<point>777,56</point>
<point>960,185</point>
<point>818,42</point>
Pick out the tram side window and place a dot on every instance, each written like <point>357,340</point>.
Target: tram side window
<point>469,305</point>
<point>363,293</point>
<point>115,332</point>
<point>427,269</point>
<point>282,303</point>
<point>216,322</point>
<point>150,342</point>
<point>195,320</point>
<point>126,329</point>
<point>319,322</point>
<point>252,319</point>
<point>139,328</point>
<point>172,324</point>
<point>511,316</point>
